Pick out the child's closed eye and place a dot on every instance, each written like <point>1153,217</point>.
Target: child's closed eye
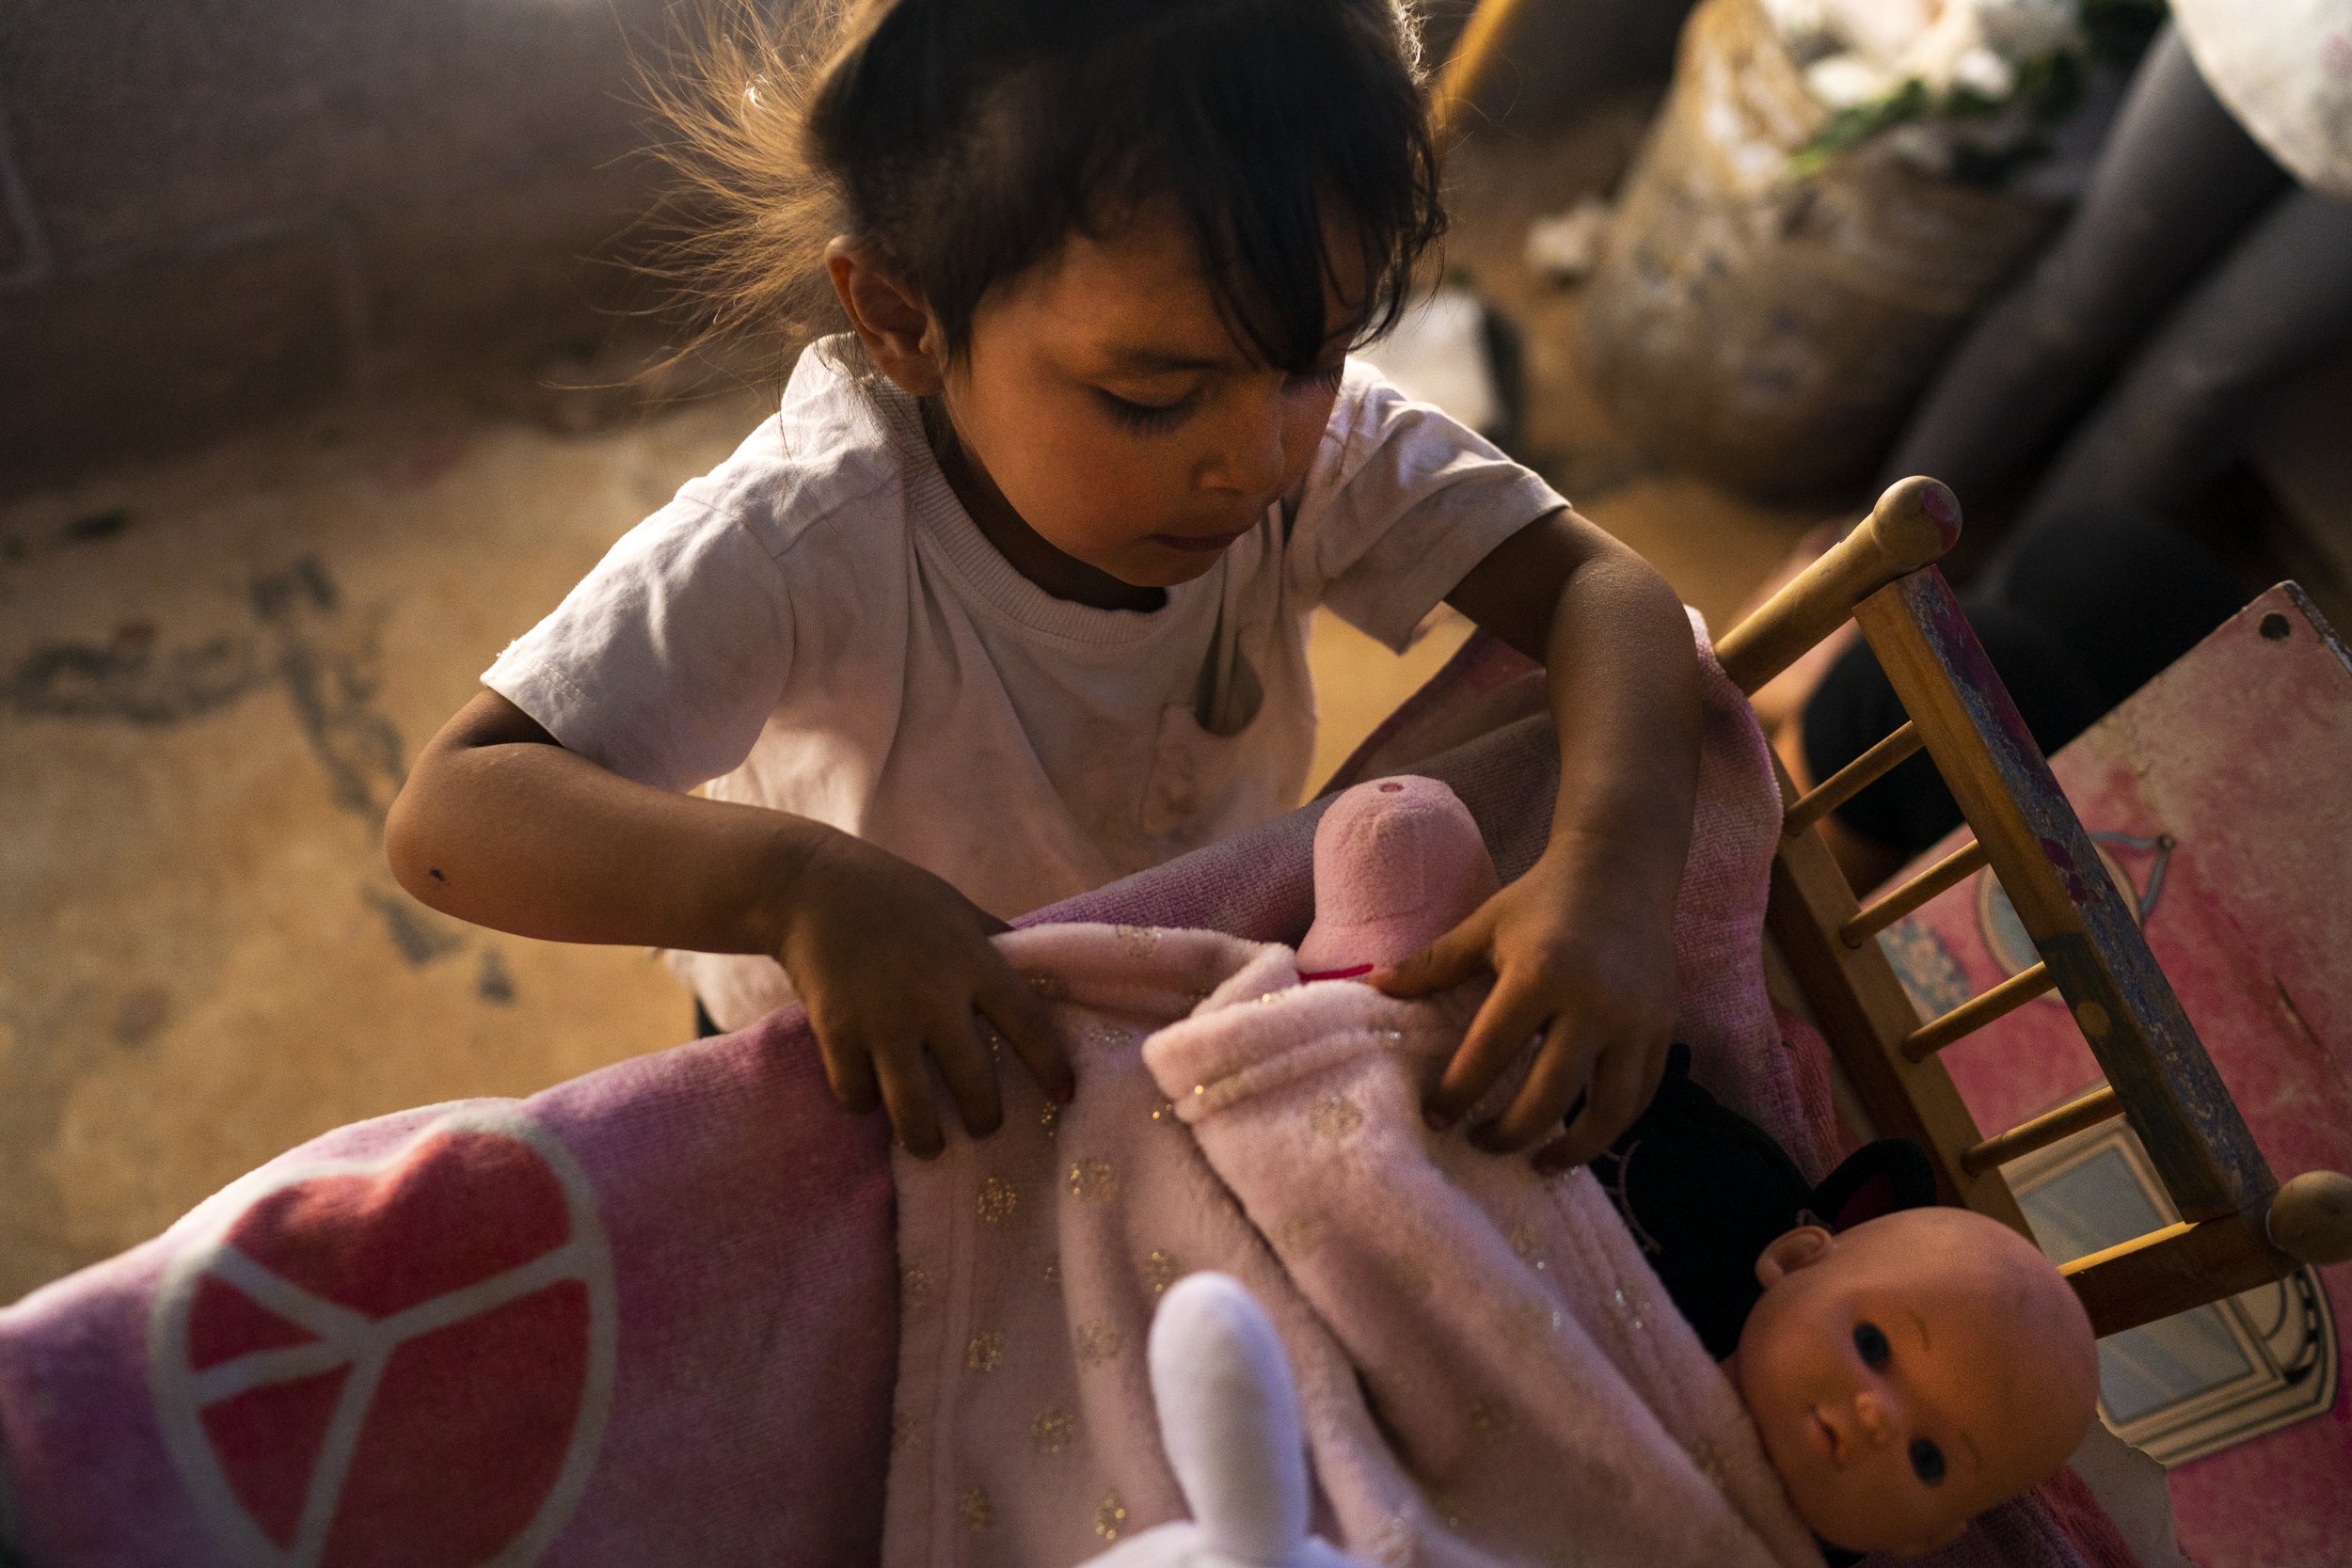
<point>1871,1345</point>
<point>1926,1461</point>
<point>1148,417</point>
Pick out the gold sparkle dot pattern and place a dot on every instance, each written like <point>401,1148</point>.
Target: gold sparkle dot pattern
<point>979,1513</point>
<point>1093,1180</point>
<point>1048,986</point>
<point>1050,1117</point>
<point>1529,1249</point>
<point>996,1200</point>
<point>1053,1271</point>
<point>1161,1270</point>
<point>1712,1463</point>
<point>1165,1113</point>
<point>1054,1430</point>
<point>986,1353</point>
<point>1137,942</point>
<point>915,1287</point>
<point>1335,1116</point>
<point>1111,1516</point>
<point>1097,1341</point>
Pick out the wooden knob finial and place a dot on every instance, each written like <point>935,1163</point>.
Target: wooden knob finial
<point>2311,1217</point>
<point>1914,522</point>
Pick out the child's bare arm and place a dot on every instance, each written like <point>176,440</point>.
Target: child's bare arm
<point>501,826</point>
<point>1581,946</point>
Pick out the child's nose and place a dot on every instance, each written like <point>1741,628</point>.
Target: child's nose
<point>1870,1415</point>
<point>1251,459</point>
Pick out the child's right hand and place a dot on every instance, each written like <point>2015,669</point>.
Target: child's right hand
<point>892,963</point>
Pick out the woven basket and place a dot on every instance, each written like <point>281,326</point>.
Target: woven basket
<point>1768,332</point>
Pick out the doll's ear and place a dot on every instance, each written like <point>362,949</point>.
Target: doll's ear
<point>1792,1250</point>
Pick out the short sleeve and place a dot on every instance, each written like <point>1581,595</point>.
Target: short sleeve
<point>664,663</point>
<point>1401,503</point>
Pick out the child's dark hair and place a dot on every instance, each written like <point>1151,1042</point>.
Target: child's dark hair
<point>968,139</point>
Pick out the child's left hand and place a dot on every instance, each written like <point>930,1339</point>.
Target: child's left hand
<point>1573,963</point>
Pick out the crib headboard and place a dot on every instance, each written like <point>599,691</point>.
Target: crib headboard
<point>2239,1227</point>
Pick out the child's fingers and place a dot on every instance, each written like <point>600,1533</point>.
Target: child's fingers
<point>1625,1081</point>
<point>849,1069</point>
<point>1561,1070</point>
<point>1451,960</point>
<point>963,1061</point>
<point>906,1090</point>
<point>1008,1004</point>
<point>1511,1015</point>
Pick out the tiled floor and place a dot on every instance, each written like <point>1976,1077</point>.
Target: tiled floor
<point>211,675</point>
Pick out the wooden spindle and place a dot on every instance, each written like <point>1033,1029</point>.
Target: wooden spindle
<point>2099,1105</point>
<point>1850,779</point>
<point>1978,1011</point>
<point>1944,875</point>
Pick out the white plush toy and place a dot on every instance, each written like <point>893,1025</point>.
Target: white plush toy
<point>1229,1416</point>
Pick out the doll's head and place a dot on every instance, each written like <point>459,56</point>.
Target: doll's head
<point>1913,1371</point>
<point>1398,864</point>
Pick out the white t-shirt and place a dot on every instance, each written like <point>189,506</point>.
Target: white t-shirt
<point>817,627</point>
<point>2285,69</point>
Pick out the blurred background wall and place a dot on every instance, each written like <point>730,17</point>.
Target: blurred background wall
<point>214,210</point>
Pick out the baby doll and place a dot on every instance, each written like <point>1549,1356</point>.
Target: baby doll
<point>1909,1373</point>
<point>1906,1373</point>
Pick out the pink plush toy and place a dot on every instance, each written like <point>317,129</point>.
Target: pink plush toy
<point>1905,1374</point>
<point>1398,864</point>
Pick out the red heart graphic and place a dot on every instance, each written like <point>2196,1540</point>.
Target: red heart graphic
<point>402,1361</point>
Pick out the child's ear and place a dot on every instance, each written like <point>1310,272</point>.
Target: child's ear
<point>1792,1250</point>
<point>887,313</point>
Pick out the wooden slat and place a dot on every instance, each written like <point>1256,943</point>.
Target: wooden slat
<point>1941,877</point>
<point>1851,780</point>
<point>2099,1105</point>
<point>1914,522</point>
<point>1865,1015</point>
<point>2174,1269</point>
<point>2065,899</point>
<point>1978,1011</point>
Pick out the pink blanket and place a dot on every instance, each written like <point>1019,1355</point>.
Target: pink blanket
<point>1488,1372</point>
<point>649,1315</point>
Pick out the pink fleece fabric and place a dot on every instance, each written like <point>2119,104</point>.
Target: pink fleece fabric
<point>1488,1372</point>
<point>680,1291</point>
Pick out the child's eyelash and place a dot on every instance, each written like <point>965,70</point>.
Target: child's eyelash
<point>1146,416</point>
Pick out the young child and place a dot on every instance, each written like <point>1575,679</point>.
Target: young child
<point>1009,598</point>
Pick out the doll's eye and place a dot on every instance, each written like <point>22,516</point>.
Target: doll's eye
<point>1872,1344</point>
<point>1926,1461</point>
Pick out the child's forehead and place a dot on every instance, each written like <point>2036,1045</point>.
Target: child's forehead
<point>1138,291</point>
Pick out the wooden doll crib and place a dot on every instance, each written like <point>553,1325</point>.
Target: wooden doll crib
<point>2239,1227</point>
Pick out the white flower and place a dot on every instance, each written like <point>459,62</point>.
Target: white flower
<point>1842,81</point>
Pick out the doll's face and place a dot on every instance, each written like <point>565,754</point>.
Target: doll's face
<point>1912,1372</point>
